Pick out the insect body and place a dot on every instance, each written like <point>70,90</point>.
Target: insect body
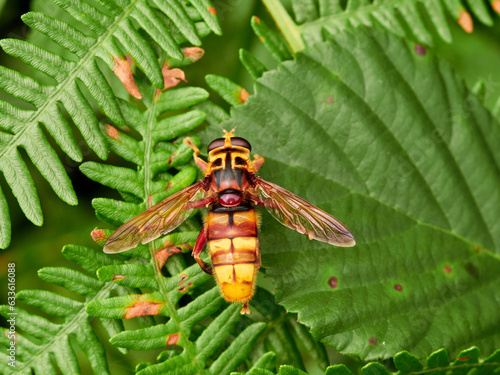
<point>231,190</point>
<point>234,250</point>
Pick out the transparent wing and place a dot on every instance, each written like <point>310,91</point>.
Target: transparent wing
<point>300,215</point>
<point>162,218</point>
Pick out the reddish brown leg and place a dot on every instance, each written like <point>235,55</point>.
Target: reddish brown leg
<point>200,203</point>
<point>199,162</point>
<point>201,241</point>
<point>261,202</point>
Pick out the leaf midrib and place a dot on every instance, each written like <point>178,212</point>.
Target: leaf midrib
<point>189,347</point>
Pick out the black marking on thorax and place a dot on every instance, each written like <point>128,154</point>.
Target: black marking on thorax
<point>228,173</point>
<point>242,207</point>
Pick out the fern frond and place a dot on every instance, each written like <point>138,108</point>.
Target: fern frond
<point>44,341</point>
<point>437,363</point>
<point>166,22</point>
<point>314,19</point>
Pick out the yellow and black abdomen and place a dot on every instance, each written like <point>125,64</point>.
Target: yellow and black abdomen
<point>234,249</point>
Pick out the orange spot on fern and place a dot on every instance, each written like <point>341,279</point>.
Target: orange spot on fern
<point>142,309</point>
<point>244,95</point>
<point>167,251</point>
<point>112,132</point>
<point>118,277</point>
<point>123,71</point>
<point>173,339</point>
<point>495,4</point>
<point>193,54</point>
<point>171,77</point>
<point>212,11</point>
<point>465,20</point>
<point>99,236</point>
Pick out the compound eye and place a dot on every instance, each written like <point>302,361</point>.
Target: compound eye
<point>216,143</point>
<point>241,142</point>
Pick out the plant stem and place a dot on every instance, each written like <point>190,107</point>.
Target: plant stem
<point>288,28</point>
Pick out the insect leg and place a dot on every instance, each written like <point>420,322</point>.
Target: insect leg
<point>201,241</point>
<point>261,202</point>
<point>199,162</point>
<point>200,203</point>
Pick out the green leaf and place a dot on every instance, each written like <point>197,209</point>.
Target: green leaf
<point>230,91</point>
<point>238,350</point>
<point>374,368</point>
<point>45,347</point>
<point>412,171</point>
<point>253,66</point>
<point>407,363</point>
<point>89,36</point>
<point>412,18</point>
<point>290,370</point>
<point>338,370</point>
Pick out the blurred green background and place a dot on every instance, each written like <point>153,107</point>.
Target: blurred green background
<point>474,56</point>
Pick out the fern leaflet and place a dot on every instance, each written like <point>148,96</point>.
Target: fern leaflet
<point>110,35</point>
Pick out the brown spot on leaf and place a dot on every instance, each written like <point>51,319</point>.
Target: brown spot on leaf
<point>478,249</point>
<point>173,339</point>
<point>495,4</point>
<point>118,277</point>
<point>99,236</point>
<point>123,71</point>
<point>184,288</point>
<point>333,282</point>
<point>244,95</point>
<point>447,269</point>
<point>373,341</point>
<point>398,287</point>
<point>257,19</point>
<point>420,49</point>
<point>329,99</point>
<point>212,11</point>
<point>465,20</point>
<point>171,158</point>
<point>142,309</point>
<point>168,250</point>
<point>172,77</point>
<point>112,132</point>
<point>261,39</point>
<point>462,358</point>
<point>193,54</point>
<point>472,270</point>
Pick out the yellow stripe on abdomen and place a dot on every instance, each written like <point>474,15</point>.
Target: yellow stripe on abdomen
<point>235,260</point>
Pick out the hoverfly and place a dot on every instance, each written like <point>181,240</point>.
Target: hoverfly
<point>231,190</point>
